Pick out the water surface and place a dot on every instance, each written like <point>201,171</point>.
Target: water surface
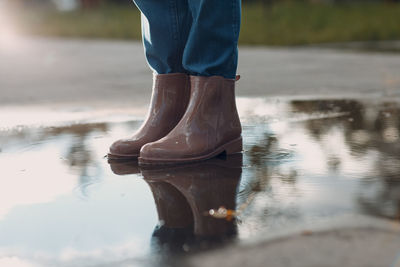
<point>63,204</point>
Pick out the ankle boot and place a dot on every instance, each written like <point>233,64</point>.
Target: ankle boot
<point>169,101</point>
<point>210,126</point>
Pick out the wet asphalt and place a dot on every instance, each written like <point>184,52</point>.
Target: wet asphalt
<point>114,73</point>
<point>319,175</point>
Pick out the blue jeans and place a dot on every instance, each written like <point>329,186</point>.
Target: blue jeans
<point>198,37</point>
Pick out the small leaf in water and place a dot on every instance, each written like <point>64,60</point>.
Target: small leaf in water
<point>222,213</point>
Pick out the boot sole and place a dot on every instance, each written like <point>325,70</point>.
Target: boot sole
<point>121,156</point>
<point>232,147</point>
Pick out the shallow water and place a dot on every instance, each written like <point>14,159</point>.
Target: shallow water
<point>63,204</point>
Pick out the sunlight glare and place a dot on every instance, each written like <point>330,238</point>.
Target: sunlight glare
<point>9,37</point>
<point>51,179</point>
<point>15,262</point>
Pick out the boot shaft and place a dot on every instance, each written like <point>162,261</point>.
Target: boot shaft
<point>215,96</point>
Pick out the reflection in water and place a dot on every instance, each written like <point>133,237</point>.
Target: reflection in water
<point>79,156</point>
<point>184,195</point>
<point>367,130</point>
<point>314,159</point>
<point>78,153</point>
<point>322,158</point>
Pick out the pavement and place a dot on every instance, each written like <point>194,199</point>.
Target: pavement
<point>101,74</point>
<point>344,241</point>
<point>114,73</point>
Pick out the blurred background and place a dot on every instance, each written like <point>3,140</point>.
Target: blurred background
<point>265,22</point>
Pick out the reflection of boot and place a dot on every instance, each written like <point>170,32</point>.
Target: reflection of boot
<point>168,104</point>
<point>204,185</point>
<point>209,127</point>
<point>124,167</point>
<point>172,207</point>
<point>175,227</point>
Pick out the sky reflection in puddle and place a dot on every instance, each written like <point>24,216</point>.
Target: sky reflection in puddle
<point>62,204</point>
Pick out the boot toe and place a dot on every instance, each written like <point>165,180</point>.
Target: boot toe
<point>165,151</point>
<point>125,147</point>
<point>153,150</point>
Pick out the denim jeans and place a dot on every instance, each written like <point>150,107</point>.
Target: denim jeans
<point>198,37</point>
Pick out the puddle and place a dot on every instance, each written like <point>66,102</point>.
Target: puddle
<point>63,204</point>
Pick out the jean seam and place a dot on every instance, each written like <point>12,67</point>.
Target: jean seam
<point>236,27</point>
<point>175,28</point>
<point>234,17</point>
<point>174,20</point>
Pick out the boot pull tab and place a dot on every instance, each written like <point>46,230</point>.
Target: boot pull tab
<point>237,78</point>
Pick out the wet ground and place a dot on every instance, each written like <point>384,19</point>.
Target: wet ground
<point>304,161</point>
<point>114,73</point>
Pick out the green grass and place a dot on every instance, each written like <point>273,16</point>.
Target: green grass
<point>285,23</point>
<point>297,23</point>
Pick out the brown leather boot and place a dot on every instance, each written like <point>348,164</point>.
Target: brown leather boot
<point>210,126</point>
<point>169,101</point>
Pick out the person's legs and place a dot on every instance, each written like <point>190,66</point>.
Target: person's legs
<point>196,37</point>
<point>211,47</point>
<point>165,29</point>
<point>211,124</point>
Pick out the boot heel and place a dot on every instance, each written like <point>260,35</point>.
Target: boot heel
<point>234,147</point>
